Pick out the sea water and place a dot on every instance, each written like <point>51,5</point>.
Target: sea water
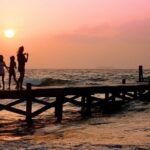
<point>81,77</point>
<point>127,129</point>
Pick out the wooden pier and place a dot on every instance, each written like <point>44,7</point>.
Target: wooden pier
<point>84,97</point>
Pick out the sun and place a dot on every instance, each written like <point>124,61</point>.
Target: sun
<point>9,33</point>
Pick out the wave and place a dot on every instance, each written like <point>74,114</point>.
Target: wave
<point>97,79</point>
<point>64,82</point>
<point>48,82</point>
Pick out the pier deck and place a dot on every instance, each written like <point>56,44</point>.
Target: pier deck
<point>84,97</point>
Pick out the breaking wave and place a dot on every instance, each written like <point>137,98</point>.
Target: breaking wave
<point>48,82</point>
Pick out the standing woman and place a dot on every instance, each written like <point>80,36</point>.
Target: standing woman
<point>22,59</point>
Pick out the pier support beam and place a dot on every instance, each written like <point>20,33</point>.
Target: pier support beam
<point>106,96</point>
<point>141,78</point>
<point>123,81</point>
<point>29,105</point>
<point>59,108</point>
<point>88,106</point>
<point>83,105</point>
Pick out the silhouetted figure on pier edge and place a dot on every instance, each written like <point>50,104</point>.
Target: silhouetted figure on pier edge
<point>22,59</point>
<point>12,72</point>
<point>2,71</point>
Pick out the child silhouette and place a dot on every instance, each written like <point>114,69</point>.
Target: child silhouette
<point>2,71</point>
<point>12,72</point>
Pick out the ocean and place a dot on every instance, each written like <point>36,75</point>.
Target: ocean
<point>126,129</point>
<point>82,77</point>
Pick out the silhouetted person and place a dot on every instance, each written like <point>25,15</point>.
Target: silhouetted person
<point>141,78</point>
<point>12,72</point>
<point>2,71</point>
<point>22,59</point>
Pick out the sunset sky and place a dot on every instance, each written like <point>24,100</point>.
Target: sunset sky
<point>77,33</point>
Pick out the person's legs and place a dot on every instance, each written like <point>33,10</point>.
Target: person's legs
<point>14,76</point>
<point>3,82</point>
<point>9,80</point>
<point>20,81</point>
<point>22,77</point>
<point>0,82</point>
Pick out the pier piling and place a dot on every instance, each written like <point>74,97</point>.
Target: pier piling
<point>59,108</point>
<point>29,104</point>
<point>141,78</point>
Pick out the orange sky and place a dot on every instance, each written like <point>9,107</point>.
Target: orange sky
<point>78,33</point>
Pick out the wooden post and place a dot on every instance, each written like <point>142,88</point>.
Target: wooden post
<point>149,81</point>
<point>114,94</point>
<point>123,96</point>
<point>29,104</point>
<point>106,96</point>
<point>141,79</point>
<point>59,108</point>
<point>88,106</point>
<point>123,81</point>
<point>83,105</point>
<point>135,95</point>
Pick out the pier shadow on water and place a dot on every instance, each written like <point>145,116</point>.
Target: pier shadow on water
<point>113,107</point>
<point>18,134</point>
<point>19,127</point>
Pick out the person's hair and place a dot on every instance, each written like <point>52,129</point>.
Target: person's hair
<point>20,50</point>
<point>1,58</point>
<point>12,58</point>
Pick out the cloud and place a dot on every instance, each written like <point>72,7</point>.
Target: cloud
<point>104,30</point>
<point>136,31</point>
<point>89,34</point>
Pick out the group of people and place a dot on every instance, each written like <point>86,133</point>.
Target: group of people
<point>22,58</point>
